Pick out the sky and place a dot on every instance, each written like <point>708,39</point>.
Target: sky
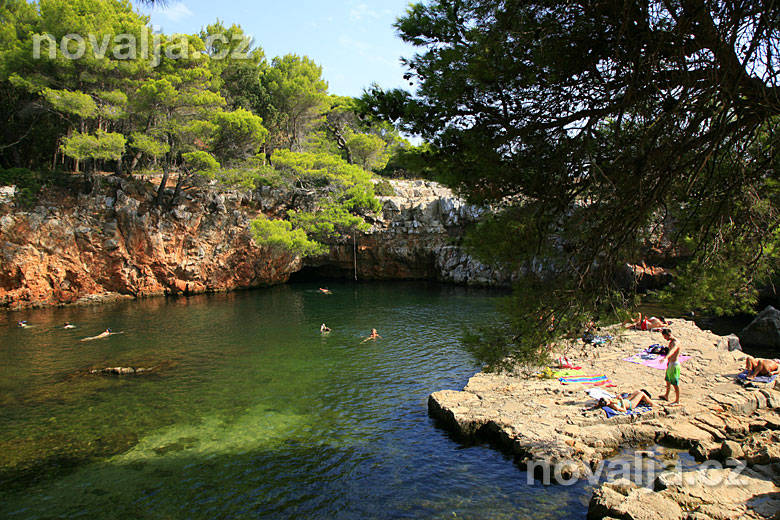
<point>354,41</point>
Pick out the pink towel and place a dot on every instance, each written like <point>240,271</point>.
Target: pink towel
<point>653,360</point>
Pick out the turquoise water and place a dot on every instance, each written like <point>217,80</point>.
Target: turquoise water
<point>251,412</point>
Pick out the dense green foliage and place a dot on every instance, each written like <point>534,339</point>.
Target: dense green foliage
<point>605,129</point>
<point>346,193</point>
<point>279,234</point>
<point>124,99</point>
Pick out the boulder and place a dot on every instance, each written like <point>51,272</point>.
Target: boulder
<point>7,194</point>
<point>639,504</point>
<point>731,449</point>
<point>764,331</point>
<point>729,343</point>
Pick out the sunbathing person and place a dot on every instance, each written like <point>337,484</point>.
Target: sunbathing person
<point>761,367</point>
<point>102,335</point>
<point>644,323</point>
<point>625,404</point>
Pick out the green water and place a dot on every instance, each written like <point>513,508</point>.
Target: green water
<point>251,412</point>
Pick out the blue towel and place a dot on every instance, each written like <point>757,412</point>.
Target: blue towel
<point>639,410</point>
<point>758,379</point>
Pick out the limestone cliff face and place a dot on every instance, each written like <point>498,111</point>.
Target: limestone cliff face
<point>416,236</point>
<point>113,243</point>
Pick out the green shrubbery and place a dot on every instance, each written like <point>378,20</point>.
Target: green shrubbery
<point>344,191</point>
<point>279,234</point>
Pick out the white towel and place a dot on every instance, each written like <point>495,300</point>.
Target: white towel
<point>599,393</point>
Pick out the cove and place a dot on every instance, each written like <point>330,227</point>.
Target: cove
<point>251,412</point>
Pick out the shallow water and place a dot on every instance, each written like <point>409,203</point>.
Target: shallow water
<point>251,412</point>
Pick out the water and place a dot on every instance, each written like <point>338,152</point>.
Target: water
<point>251,413</point>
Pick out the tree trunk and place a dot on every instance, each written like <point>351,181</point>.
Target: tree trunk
<point>118,170</point>
<point>161,189</point>
<point>179,185</point>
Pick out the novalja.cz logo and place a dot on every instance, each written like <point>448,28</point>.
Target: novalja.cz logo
<point>149,46</point>
<point>640,470</point>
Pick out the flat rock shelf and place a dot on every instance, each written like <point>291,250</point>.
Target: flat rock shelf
<point>544,424</point>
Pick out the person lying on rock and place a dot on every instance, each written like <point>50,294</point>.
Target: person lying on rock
<point>761,367</point>
<point>102,335</point>
<point>626,404</point>
<point>672,367</point>
<point>644,323</point>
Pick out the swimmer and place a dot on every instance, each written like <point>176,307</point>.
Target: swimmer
<point>102,335</point>
<point>373,335</point>
<point>324,329</point>
<point>22,324</point>
<point>68,325</point>
<point>325,290</point>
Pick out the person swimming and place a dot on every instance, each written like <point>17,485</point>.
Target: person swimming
<point>68,325</point>
<point>325,290</point>
<point>324,329</point>
<point>104,334</point>
<point>22,324</point>
<point>374,335</point>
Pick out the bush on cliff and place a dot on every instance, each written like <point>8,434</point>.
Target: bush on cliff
<point>280,235</point>
<point>342,193</point>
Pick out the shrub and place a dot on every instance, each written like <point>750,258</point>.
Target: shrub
<point>280,235</point>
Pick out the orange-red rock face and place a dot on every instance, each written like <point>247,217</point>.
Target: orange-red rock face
<point>78,248</point>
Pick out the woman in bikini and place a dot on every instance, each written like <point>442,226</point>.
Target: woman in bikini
<point>626,404</point>
<point>645,323</point>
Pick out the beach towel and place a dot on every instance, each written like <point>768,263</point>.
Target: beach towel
<point>588,337</point>
<point>639,410</point>
<point>583,379</point>
<point>599,393</point>
<point>757,379</point>
<point>653,360</point>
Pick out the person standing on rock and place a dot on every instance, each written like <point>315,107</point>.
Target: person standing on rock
<point>672,367</point>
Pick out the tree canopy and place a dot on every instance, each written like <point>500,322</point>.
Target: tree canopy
<point>604,131</point>
<point>86,85</point>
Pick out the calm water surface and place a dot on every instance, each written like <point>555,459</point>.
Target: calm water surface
<point>251,413</point>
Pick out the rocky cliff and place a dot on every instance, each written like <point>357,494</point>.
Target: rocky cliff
<point>112,242</point>
<point>417,235</point>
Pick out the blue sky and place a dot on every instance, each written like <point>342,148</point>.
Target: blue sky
<point>354,40</point>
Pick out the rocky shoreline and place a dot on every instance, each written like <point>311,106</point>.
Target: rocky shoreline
<point>547,427</point>
<point>89,245</point>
